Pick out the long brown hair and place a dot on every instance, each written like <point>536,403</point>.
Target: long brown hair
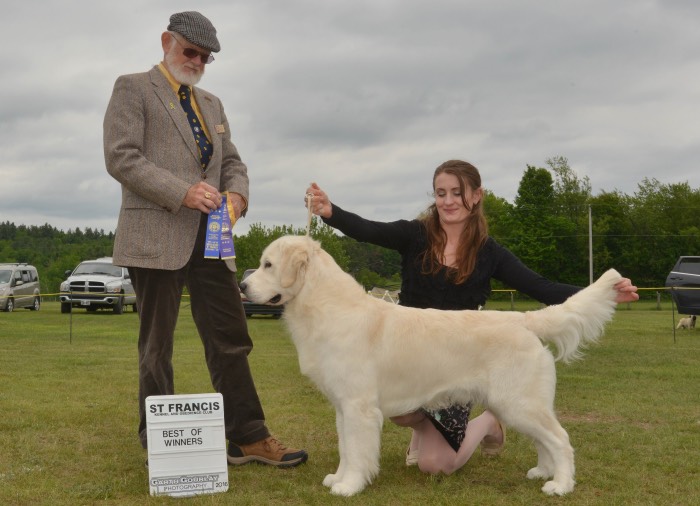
<point>473,235</point>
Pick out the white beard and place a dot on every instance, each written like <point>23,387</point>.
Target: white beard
<point>180,75</point>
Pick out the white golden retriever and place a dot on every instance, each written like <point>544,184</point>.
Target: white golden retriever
<point>373,359</point>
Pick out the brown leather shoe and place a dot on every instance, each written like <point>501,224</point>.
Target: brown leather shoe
<point>267,451</point>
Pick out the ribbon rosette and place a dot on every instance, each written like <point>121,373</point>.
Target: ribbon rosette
<point>219,240</point>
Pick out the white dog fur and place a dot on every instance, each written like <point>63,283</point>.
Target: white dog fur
<point>687,323</point>
<point>374,360</point>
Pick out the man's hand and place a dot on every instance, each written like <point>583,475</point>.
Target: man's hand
<point>204,197</point>
<point>238,202</point>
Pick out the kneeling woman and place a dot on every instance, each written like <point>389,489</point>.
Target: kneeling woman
<point>447,262</point>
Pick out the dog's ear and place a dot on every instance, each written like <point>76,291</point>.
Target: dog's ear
<point>293,265</point>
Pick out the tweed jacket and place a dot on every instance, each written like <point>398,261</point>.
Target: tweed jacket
<point>150,149</point>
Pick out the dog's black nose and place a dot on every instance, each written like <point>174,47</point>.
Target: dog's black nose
<point>243,286</point>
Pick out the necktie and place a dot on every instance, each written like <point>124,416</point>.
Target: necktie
<point>199,136</point>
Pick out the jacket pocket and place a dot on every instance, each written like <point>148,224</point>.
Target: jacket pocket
<point>143,232</point>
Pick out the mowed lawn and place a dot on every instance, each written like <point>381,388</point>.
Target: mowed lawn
<point>68,415</point>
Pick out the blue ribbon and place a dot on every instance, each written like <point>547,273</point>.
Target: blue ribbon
<point>219,239</point>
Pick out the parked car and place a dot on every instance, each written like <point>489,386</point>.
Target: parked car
<point>97,284</point>
<point>19,287</point>
<point>260,309</point>
<point>686,274</point>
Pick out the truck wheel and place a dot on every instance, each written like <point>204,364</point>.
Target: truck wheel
<point>65,307</point>
<point>118,308</point>
<point>36,305</point>
<point>10,305</point>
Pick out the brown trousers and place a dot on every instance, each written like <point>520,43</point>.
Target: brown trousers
<point>218,313</point>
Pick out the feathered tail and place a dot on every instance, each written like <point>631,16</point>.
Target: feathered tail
<point>579,321</point>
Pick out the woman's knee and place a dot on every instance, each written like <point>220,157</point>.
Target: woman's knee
<point>434,464</point>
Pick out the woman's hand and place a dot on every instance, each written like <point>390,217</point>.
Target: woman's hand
<point>320,204</point>
<point>626,291</point>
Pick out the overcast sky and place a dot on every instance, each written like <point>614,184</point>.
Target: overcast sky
<point>366,97</point>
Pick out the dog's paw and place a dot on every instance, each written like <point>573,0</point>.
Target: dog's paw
<point>330,480</point>
<point>537,473</point>
<point>557,488</point>
<point>347,489</point>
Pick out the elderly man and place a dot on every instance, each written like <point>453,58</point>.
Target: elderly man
<point>169,145</point>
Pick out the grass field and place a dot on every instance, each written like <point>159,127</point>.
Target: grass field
<point>68,418</point>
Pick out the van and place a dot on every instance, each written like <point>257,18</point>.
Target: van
<point>684,281</point>
<point>19,287</point>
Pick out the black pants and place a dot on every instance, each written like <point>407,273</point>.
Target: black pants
<point>218,313</point>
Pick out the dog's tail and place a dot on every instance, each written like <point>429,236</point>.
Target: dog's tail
<point>579,321</point>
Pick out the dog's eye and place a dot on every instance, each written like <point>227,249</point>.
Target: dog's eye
<point>267,265</point>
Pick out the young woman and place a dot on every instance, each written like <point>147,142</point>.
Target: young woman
<point>447,262</point>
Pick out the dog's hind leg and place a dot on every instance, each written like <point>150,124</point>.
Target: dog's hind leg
<point>527,404</point>
<point>555,456</point>
<point>545,464</point>
<point>563,459</point>
<point>361,427</point>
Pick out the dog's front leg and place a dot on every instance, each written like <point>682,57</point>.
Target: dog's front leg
<point>359,436</point>
<point>332,479</point>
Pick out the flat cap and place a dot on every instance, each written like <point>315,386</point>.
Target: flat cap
<point>197,29</point>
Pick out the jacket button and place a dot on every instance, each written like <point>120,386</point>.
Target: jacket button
<point>204,176</point>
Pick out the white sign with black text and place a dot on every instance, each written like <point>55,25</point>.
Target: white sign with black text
<point>186,444</point>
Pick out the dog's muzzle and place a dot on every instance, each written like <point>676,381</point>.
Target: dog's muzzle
<point>275,299</point>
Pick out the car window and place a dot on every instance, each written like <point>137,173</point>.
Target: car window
<point>26,277</point>
<point>98,268</point>
<point>690,265</point>
<point>5,276</point>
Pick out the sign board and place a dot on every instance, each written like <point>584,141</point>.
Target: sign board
<point>186,444</point>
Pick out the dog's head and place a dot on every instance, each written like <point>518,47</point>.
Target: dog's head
<point>281,273</point>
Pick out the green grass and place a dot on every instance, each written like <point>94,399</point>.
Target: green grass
<point>68,420</point>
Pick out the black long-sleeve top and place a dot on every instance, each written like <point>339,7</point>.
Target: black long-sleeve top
<point>437,291</point>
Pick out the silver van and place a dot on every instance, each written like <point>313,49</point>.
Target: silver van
<point>19,287</point>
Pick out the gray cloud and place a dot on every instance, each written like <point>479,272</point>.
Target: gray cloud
<point>364,97</point>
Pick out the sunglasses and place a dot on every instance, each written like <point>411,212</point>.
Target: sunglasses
<point>189,52</point>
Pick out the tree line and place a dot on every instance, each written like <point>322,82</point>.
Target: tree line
<point>547,226</point>
<point>641,235</point>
